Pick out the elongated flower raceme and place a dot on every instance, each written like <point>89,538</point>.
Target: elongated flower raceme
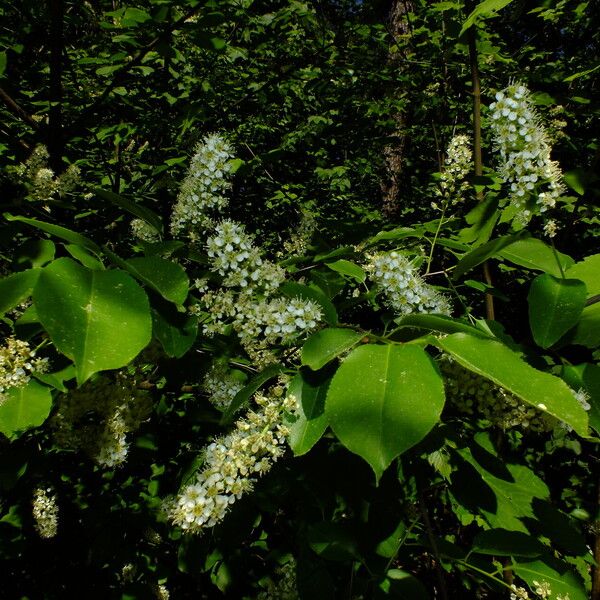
<point>404,290</point>
<point>203,191</point>
<point>535,179</point>
<point>233,463</point>
<point>457,167</point>
<point>45,512</point>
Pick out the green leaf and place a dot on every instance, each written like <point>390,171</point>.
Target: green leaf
<point>480,254</point>
<point>394,234</point>
<point>293,290</point>
<point>562,580</point>
<point>588,270</point>
<point>166,277</point>
<point>84,257</point>
<point>555,306</point>
<point>244,394</point>
<point>17,287</point>
<point>383,400</point>
<point>99,319</point>
<point>36,253</point>
<point>350,269</point>
<point>587,331</point>
<point>24,408</point>
<point>333,541</point>
<point>58,231</point>
<point>484,9</point>
<point>535,254</point>
<point>439,323</point>
<point>502,542</point>
<point>510,491</point>
<point>326,344</point>
<point>175,331</point>
<point>2,63</point>
<point>132,207</point>
<point>495,361</point>
<point>586,376</point>
<point>310,419</point>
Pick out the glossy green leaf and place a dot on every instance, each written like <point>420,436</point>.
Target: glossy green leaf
<point>495,361</point>
<point>84,257</point>
<point>587,331</point>
<point>535,254</point>
<point>242,397</point>
<point>310,421</point>
<point>175,331</point>
<point>133,208</point>
<point>562,580</point>
<point>439,323</point>
<point>61,232</point>
<point>502,542</point>
<point>325,345</point>
<point>482,10</point>
<point>383,400</point>
<point>24,408</point>
<point>350,269</point>
<point>166,277</point>
<point>36,253</point>
<point>480,254</point>
<point>588,270</point>
<point>17,287</point>
<point>555,306</point>
<point>99,319</point>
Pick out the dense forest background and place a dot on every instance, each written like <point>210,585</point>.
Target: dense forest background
<point>339,114</point>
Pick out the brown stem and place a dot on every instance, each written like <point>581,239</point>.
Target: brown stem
<point>56,42</point>
<point>16,110</point>
<point>477,153</point>
<point>431,537</point>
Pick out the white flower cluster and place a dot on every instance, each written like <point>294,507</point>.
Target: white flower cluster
<point>285,588</point>
<point>162,592</point>
<point>221,386</point>
<point>144,231</point>
<point>535,180</point>
<point>203,190</point>
<point>457,167</point>
<point>542,590</point>
<point>17,363</point>
<point>41,180</point>
<point>298,240</point>
<point>404,289</point>
<point>45,512</point>
<point>235,257</point>
<point>232,464</point>
<point>98,416</point>
<point>474,395</point>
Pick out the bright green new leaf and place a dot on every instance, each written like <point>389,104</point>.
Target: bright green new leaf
<point>534,254</point>
<point>555,306</point>
<point>326,344</point>
<point>495,361</point>
<point>383,400</point>
<point>99,319</point>
<point>559,576</point>
<point>482,10</point>
<point>24,408</point>
<point>350,269</point>
<point>588,270</point>
<point>16,287</point>
<point>310,419</point>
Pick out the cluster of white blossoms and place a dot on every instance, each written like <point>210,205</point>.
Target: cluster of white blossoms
<point>542,590</point>
<point>233,463</point>
<point>298,240</point>
<point>17,363</point>
<point>221,386</point>
<point>404,289</point>
<point>97,417</point>
<point>202,192</point>
<point>45,512</point>
<point>235,257</point>
<point>144,231</point>
<point>535,180</point>
<point>285,588</point>
<point>457,166</point>
<point>41,180</point>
